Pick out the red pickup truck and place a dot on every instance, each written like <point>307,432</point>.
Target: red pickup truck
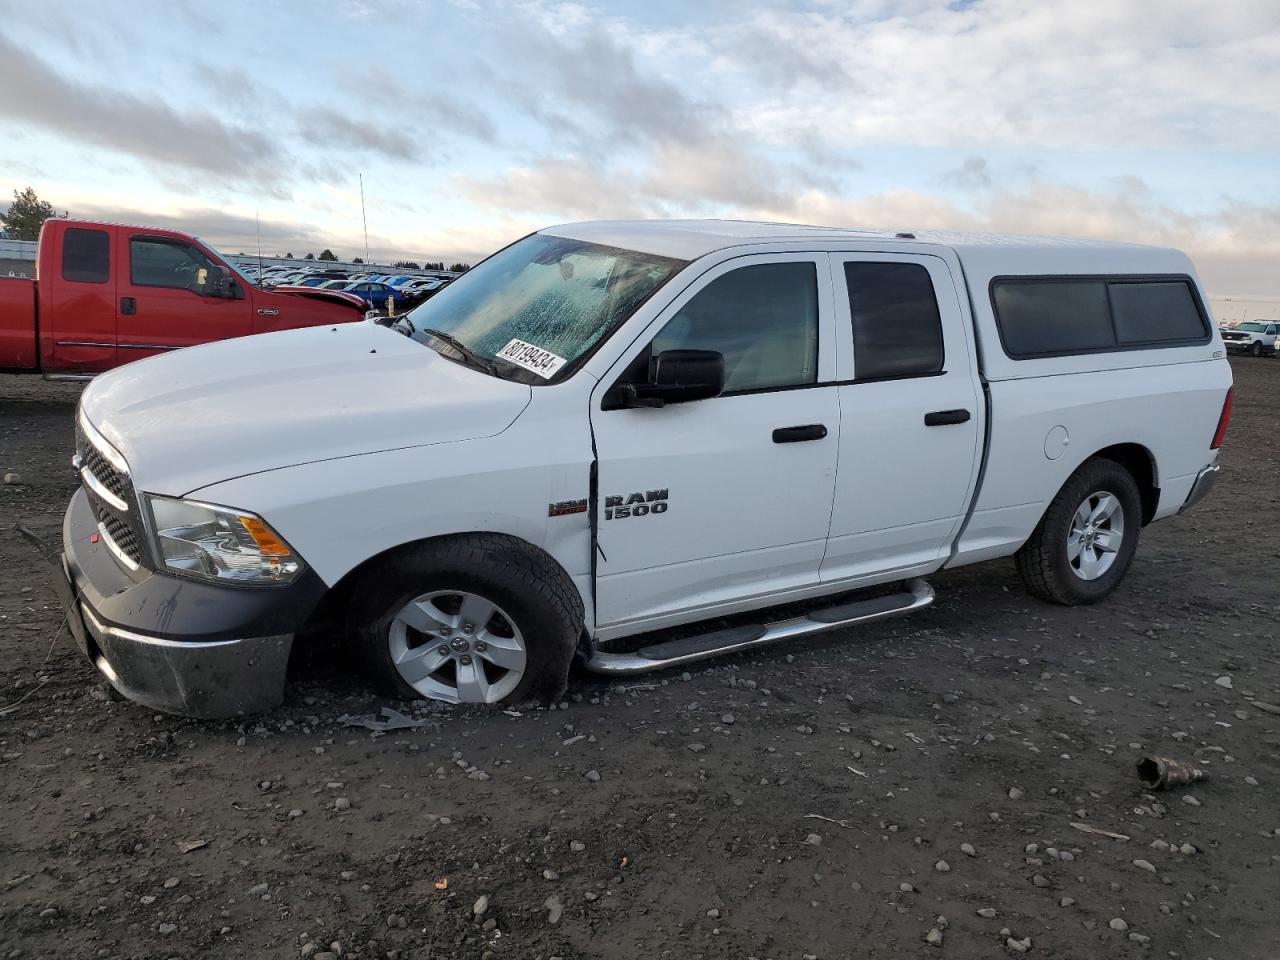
<point>105,294</point>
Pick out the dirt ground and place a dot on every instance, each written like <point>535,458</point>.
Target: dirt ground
<point>845,797</point>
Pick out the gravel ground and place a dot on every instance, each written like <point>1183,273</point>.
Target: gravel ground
<point>906,789</point>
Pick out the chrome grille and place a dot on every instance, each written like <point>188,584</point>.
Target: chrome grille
<point>119,531</point>
<point>111,495</point>
<point>106,474</point>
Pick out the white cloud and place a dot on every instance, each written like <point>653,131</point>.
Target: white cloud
<point>1095,73</point>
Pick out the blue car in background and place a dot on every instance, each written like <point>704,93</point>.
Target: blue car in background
<point>377,294</point>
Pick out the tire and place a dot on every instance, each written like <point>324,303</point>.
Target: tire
<point>1046,562</point>
<point>1256,349</point>
<point>536,609</point>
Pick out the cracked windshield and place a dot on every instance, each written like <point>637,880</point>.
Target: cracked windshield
<point>539,305</point>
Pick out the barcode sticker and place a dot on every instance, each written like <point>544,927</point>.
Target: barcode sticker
<point>542,362</point>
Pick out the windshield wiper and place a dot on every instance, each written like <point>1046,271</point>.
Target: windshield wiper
<point>472,358</point>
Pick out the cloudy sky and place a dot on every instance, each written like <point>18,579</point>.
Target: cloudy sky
<point>474,121</point>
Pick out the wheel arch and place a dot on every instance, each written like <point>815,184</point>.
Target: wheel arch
<point>1141,464</point>
<point>329,612</point>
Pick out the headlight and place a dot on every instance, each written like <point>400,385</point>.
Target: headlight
<point>219,543</point>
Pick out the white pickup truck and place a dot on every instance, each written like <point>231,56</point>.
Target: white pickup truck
<point>1258,338</point>
<point>640,444</point>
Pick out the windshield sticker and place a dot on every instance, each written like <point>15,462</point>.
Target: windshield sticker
<point>542,362</point>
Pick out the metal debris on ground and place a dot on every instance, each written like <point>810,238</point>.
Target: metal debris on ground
<point>390,720</point>
<point>1085,828</point>
<point>1161,773</point>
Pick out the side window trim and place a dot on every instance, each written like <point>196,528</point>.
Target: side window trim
<point>639,344</point>
<point>1107,280</point>
<point>770,334</point>
<point>167,241</point>
<point>105,276</point>
<point>848,260</point>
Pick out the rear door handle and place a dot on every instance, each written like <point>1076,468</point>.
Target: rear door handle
<point>810,431</point>
<point>128,306</point>
<point>941,418</point>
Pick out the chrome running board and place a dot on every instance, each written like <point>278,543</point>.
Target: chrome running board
<point>736,639</point>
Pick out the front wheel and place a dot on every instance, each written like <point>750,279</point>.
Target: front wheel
<point>1256,349</point>
<point>472,619</point>
<point>1084,543</point>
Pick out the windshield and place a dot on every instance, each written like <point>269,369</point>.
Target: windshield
<point>1253,327</point>
<point>540,305</point>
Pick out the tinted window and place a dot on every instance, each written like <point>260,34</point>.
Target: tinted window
<point>85,257</point>
<point>896,328</point>
<point>763,318</point>
<point>163,263</point>
<point>1149,312</point>
<point>1065,316</point>
<point>1039,317</point>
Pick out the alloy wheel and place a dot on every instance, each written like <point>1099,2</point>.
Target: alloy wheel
<point>458,647</point>
<point>1097,531</point>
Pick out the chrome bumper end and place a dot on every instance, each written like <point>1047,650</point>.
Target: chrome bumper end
<point>1201,488</point>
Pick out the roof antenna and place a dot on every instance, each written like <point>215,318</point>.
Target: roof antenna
<point>257,223</point>
<point>364,219</point>
<point>904,236</point>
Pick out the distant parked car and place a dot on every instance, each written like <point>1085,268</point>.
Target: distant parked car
<point>422,285</point>
<point>1255,337</point>
<point>376,295</point>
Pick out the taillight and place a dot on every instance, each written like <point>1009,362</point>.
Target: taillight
<point>1223,420</point>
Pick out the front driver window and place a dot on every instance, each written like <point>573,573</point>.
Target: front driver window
<point>764,320</point>
<point>154,262</point>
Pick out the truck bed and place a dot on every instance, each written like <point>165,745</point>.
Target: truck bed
<point>18,324</point>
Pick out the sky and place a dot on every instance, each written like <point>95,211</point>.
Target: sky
<point>476,121</point>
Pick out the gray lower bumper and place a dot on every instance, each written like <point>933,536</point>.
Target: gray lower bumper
<point>1200,489</point>
<point>223,678</point>
<point>175,644</point>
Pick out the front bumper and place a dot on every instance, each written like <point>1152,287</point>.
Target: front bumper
<point>177,645</point>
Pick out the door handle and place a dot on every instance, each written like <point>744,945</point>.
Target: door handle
<point>128,306</point>
<point>940,418</point>
<point>810,431</point>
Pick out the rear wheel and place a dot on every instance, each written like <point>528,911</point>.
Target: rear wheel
<point>1084,543</point>
<point>473,619</point>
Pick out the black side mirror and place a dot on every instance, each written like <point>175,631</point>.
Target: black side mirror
<point>220,283</point>
<point>675,376</point>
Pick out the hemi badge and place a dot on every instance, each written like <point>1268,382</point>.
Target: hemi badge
<point>566,507</point>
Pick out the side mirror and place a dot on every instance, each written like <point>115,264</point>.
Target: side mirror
<point>220,283</point>
<point>676,376</point>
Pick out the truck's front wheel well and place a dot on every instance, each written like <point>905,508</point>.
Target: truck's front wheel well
<point>329,617</point>
<point>1141,465</point>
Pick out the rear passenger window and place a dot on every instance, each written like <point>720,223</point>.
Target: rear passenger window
<point>896,328</point>
<point>1149,312</point>
<point>1054,317</point>
<point>85,256</point>
<point>762,318</point>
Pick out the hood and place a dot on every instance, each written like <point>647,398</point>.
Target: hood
<point>325,296</point>
<point>205,414</point>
